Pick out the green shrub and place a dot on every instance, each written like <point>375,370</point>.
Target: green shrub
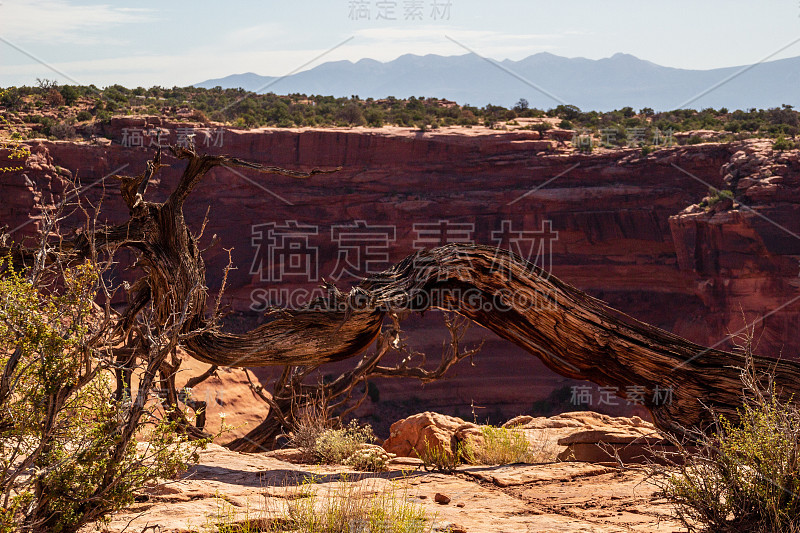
<point>585,144</point>
<point>103,116</point>
<point>742,475</point>
<point>10,97</point>
<point>83,116</point>
<point>352,115</point>
<point>69,94</point>
<point>374,117</point>
<point>68,449</point>
<point>715,196</point>
<point>782,143</point>
<point>541,127</point>
<point>333,446</point>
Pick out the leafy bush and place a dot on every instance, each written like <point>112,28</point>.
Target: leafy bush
<point>69,94</point>
<point>68,449</point>
<point>321,443</point>
<point>541,127</point>
<point>333,446</point>
<point>744,475</point>
<point>83,116</point>
<point>716,196</point>
<point>782,143</point>
<point>352,115</point>
<point>374,117</point>
<point>10,97</point>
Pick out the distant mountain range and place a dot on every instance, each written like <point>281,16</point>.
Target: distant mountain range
<point>544,79</point>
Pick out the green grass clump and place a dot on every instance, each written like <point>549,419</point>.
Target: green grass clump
<point>334,446</point>
<point>435,457</point>
<point>351,507</point>
<point>506,446</point>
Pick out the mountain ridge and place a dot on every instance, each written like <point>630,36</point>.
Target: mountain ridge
<point>599,84</point>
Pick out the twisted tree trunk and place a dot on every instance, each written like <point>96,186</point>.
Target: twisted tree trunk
<point>572,333</point>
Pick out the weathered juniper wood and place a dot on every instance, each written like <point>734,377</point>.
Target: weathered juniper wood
<point>572,333</point>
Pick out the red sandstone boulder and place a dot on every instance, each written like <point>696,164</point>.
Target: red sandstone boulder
<point>468,436</point>
<point>410,436</point>
<point>612,439</point>
<point>559,135</point>
<point>583,435</point>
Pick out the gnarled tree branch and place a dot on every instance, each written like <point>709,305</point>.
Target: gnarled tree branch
<point>572,333</point>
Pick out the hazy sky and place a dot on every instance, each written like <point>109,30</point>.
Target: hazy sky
<point>180,43</point>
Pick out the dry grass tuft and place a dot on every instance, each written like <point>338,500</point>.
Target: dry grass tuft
<point>349,505</point>
<point>507,446</point>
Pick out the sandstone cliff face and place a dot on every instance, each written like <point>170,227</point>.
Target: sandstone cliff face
<point>744,254</point>
<point>612,223</point>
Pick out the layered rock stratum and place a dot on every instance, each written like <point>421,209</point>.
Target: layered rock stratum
<point>623,226</point>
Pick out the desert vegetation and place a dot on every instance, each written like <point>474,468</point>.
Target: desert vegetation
<point>738,475</point>
<point>501,446</point>
<point>90,415</point>
<point>65,111</point>
<point>349,505</point>
<point>321,442</point>
<point>72,451</point>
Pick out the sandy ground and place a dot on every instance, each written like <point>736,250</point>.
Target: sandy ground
<point>554,497</point>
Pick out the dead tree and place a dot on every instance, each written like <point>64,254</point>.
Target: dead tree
<point>292,393</point>
<point>573,333</point>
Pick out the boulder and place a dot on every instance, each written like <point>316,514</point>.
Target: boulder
<point>409,437</point>
<point>518,421</point>
<point>468,436</point>
<point>626,440</point>
<point>290,455</point>
<point>583,435</point>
